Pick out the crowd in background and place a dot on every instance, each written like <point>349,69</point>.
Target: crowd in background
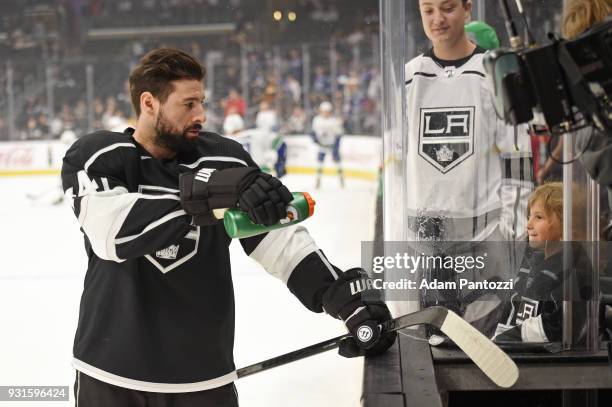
<point>275,74</point>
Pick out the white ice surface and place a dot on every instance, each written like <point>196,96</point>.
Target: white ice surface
<point>41,277</point>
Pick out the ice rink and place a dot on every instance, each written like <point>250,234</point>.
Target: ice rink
<point>44,264</point>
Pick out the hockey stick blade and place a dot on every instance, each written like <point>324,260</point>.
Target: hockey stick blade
<point>493,361</point>
<point>485,354</point>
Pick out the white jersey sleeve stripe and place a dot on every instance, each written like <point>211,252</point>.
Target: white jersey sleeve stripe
<point>327,264</point>
<point>115,204</point>
<point>151,226</point>
<point>96,210</point>
<point>216,158</point>
<point>98,153</point>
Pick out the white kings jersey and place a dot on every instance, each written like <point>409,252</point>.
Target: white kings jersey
<point>259,143</point>
<point>326,129</point>
<point>466,168</point>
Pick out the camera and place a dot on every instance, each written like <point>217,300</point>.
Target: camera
<point>565,85</point>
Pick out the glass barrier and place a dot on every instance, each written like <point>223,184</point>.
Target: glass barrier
<point>460,182</point>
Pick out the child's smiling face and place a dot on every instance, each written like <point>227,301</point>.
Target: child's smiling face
<point>542,226</point>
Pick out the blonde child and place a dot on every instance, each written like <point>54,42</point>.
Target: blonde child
<point>534,313</point>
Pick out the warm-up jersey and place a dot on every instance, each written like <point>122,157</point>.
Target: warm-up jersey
<point>157,310</point>
<point>262,145</point>
<point>326,130</point>
<point>465,166</point>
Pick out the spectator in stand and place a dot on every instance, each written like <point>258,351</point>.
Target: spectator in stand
<point>67,116</point>
<point>235,101</point>
<point>295,64</point>
<point>80,116</point>
<point>293,87</point>
<point>43,125</point>
<point>98,108</point>
<point>269,94</point>
<point>321,84</point>
<point>109,112</point>
<point>4,131</point>
<point>32,131</point>
<point>352,97</point>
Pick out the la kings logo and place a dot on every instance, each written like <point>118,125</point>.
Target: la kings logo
<point>446,136</point>
<point>171,257</point>
<point>169,253</point>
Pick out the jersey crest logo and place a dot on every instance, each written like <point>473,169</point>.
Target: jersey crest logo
<point>171,257</point>
<point>527,309</point>
<point>446,136</point>
<point>169,253</point>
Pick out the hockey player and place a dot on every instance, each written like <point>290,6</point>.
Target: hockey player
<point>327,131</point>
<point>55,194</point>
<point>469,175</point>
<point>156,320</point>
<point>265,146</point>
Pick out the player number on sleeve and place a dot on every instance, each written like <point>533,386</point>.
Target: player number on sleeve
<point>88,185</point>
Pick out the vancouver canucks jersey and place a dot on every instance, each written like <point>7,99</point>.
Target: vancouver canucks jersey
<point>261,144</point>
<point>157,309</point>
<point>465,167</point>
<point>326,130</point>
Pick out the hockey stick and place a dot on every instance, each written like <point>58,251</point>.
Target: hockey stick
<point>484,353</point>
<point>35,196</point>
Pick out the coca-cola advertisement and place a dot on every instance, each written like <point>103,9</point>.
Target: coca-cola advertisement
<point>16,157</point>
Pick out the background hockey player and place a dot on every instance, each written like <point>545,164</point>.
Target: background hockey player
<point>233,122</point>
<point>327,130</point>
<point>156,319</point>
<point>266,118</point>
<point>55,194</point>
<point>266,147</point>
<point>469,175</point>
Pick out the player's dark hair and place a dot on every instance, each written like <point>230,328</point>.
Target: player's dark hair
<point>156,71</point>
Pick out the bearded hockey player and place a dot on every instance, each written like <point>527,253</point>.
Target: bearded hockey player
<point>469,175</point>
<point>156,320</point>
<point>327,130</point>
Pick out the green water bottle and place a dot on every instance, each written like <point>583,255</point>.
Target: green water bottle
<point>238,225</point>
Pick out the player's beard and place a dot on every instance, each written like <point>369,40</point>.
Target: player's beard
<point>166,135</point>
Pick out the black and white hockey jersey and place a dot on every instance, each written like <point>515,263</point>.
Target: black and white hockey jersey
<point>464,165</point>
<point>534,312</point>
<point>157,309</point>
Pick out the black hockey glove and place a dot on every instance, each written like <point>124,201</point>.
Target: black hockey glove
<point>343,300</point>
<point>261,196</point>
<point>265,200</point>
